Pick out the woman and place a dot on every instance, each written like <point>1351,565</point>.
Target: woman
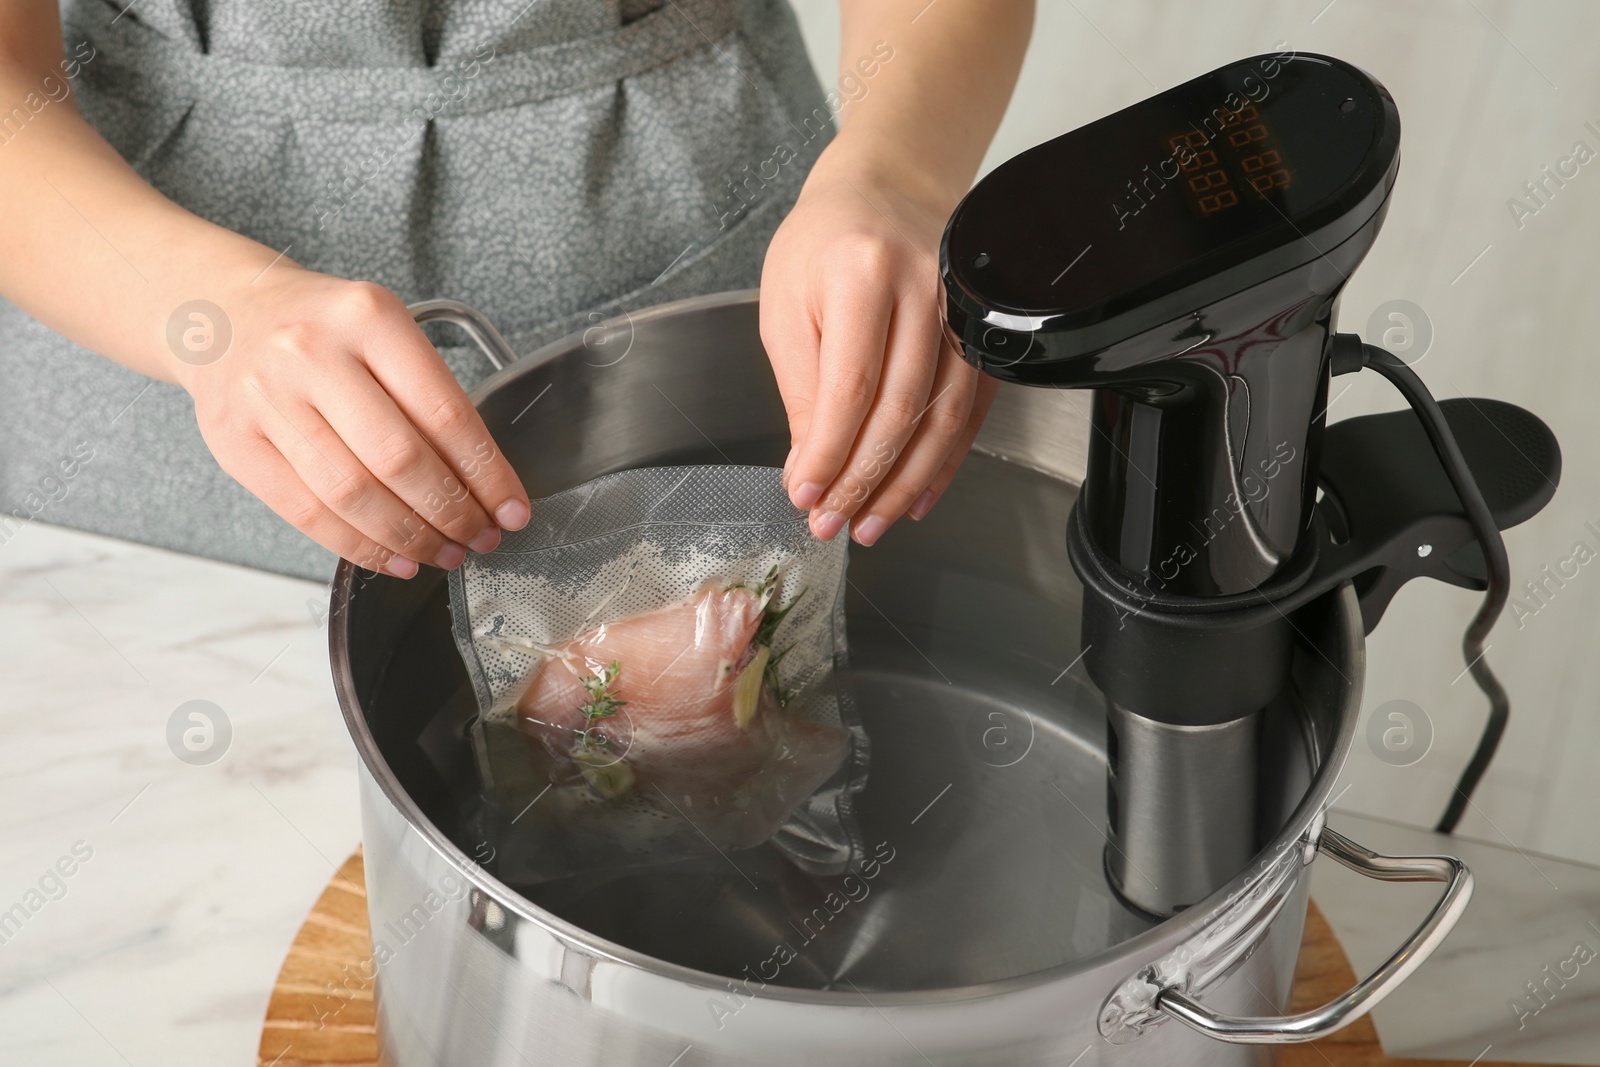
<point>238,197</point>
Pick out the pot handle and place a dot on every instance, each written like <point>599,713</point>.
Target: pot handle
<point>1365,995</point>
<point>474,322</point>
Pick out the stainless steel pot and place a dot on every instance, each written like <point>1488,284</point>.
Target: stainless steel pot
<point>980,930</point>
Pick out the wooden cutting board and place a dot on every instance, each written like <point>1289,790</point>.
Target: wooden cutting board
<point>321,1012</point>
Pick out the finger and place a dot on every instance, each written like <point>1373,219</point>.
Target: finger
<point>273,480</point>
<point>790,337</point>
<point>389,446</point>
<point>410,370</point>
<point>943,431</point>
<point>987,388</point>
<point>325,463</point>
<point>902,403</point>
<point>855,328</point>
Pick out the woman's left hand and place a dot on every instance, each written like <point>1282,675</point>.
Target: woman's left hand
<point>881,410</point>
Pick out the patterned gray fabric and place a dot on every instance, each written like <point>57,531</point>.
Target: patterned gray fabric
<point>552,162</point>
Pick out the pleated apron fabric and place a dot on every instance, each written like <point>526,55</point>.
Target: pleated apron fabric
<point>552,162</point>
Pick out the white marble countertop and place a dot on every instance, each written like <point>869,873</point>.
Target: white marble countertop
<point>161,947</point>
<point>187,883</point>
<point>1532,919</point>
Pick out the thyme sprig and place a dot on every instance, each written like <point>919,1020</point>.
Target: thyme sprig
<point>771,617</point>
<point>609,775</point>
<point>602,704</point>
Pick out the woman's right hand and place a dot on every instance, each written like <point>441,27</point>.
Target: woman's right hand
<point>330,404</point>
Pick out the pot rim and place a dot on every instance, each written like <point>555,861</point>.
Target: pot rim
<point>1301,826</point>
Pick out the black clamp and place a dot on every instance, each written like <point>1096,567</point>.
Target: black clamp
<point>1388,513</point>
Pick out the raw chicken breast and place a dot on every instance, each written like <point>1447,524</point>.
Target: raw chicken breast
<point>677,703</point>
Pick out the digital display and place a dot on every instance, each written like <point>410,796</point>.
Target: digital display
<point>1244,146</point>
<point>1250,159</point>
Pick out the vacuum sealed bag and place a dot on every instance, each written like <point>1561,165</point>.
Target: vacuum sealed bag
<point>654,659</point>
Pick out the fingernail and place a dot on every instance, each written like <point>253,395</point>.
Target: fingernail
<point>869,530</point>
<point>450,557</point>
<point>786,462</point>
<point>827,524</point>
<point>512,515</point>
<point>921,506</point>
<point>805,498</point>
<point>487,539</point>
<point>401,567</point>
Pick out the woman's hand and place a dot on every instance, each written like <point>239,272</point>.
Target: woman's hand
<point>881,410</point>
<point>328,403</point>
<point>331,406</point>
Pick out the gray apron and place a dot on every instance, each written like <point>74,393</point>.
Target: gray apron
<point>552,162</point>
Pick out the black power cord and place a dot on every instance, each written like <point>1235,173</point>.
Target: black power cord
<point>1498,567</point>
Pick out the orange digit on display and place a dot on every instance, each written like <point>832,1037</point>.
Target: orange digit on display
<point>1212,179</point>
<point>1270,180</point>
<point>1246,135</point>
<point>1269,158</point>
<point>1218,201</point>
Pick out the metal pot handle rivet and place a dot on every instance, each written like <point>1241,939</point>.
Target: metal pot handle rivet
<point>1365,995</point>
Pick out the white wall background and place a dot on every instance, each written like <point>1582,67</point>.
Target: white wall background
<point>1489,92</point>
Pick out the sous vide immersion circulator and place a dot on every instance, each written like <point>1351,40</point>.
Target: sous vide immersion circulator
<point>1184,259</point>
